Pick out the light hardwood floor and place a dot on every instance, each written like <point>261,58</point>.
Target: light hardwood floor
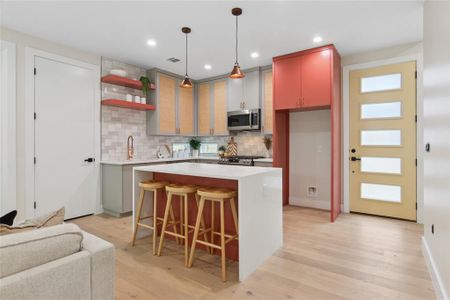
<point>357,257</point>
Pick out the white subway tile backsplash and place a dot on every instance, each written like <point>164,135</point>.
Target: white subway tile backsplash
<point>119,123</point>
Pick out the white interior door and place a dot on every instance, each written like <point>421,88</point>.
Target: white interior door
<point>7,127</point>
<point>64,138</point>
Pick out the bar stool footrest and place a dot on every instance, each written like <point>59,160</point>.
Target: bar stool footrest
<point>208,244</point>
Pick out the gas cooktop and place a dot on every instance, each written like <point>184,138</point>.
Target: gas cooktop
<point>240,160</point>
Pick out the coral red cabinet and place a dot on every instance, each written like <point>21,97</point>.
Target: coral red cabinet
<point>302,80</point>
<point>286,84</point>
<point>315,79</point>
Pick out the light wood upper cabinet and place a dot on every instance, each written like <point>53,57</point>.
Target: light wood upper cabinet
<point>204,109</point>
<point>267,111</point>
<point>166,104</point>
<point>175,107</point>
<point>220,107</point>
<point>186,111</point>
<point>212,108</point>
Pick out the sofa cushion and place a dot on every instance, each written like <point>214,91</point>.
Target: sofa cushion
<point>25,250</point>
<point>6,229</point>
<point>51,219</point>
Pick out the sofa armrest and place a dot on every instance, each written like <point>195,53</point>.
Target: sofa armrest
<point>102,266</point>
<point>65,278</point>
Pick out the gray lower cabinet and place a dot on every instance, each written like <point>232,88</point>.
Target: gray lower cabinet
<point>117,189</point>
<point>117,186</point>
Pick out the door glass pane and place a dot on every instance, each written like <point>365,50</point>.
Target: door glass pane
<point>387,165</point>
<point>382,192</point>
<point>381,83</point>
<point>381,138</point>
<point>381,110</point>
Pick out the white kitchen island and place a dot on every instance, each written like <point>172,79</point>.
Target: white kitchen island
<point>259,203</point>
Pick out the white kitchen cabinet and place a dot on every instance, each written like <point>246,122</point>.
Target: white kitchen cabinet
<point>244,93</point>
<point>251,91</point>
<point>235,95</point>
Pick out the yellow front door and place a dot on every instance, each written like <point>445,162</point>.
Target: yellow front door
<point>383,141</point>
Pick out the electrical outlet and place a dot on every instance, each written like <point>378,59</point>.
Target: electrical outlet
<point>312,191</point>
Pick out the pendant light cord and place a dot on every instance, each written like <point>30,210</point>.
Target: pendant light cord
<point>236,41</point>
<point>186,54</point>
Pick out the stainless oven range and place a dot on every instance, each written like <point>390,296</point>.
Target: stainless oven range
<point>239,160</point>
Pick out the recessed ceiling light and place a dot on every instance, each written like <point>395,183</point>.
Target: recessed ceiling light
<point>207,67</point>
<point>317,39</point>
<point>151,43</point>
<point>254,54</point>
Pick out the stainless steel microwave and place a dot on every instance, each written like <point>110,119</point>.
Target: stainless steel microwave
<point>244,120</point>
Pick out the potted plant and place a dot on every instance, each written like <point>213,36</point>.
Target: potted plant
<point>268,143</point>
<point>221,151</point>
<point>145,85</point>
<point>195,146</point>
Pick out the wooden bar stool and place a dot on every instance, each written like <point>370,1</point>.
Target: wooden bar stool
<point>149,186</point>
<point>182,191</point>
<point>214,195</point>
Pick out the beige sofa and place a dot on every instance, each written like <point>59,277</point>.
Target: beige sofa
<point>57,262</point>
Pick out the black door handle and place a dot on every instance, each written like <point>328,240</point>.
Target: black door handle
<point>353,158</point>
<point>90,159</point>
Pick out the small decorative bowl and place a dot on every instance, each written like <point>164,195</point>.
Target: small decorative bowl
<point>118,72</point>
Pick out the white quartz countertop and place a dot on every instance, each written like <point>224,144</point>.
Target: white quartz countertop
<point>157,160</point>
<point>171,159</point>
<point>264,160</point>
<point>207,170</point>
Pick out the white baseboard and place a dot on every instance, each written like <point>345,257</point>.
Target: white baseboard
<point>435,277</point>
<point>316,203</point>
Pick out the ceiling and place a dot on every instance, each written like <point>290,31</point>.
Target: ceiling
<point>121,29</point>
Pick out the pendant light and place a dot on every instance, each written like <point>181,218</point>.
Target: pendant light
<point>236,72</point>
<point>186,83</point>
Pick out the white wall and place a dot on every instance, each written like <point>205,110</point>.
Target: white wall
<point>310,158</point>
<point>436,45</point>
<point>7,127</point>
<point>22,41</point>
<point>383,53</point>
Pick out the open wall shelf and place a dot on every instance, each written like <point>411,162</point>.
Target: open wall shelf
<point>127,104</point>
<point>126,82</point>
